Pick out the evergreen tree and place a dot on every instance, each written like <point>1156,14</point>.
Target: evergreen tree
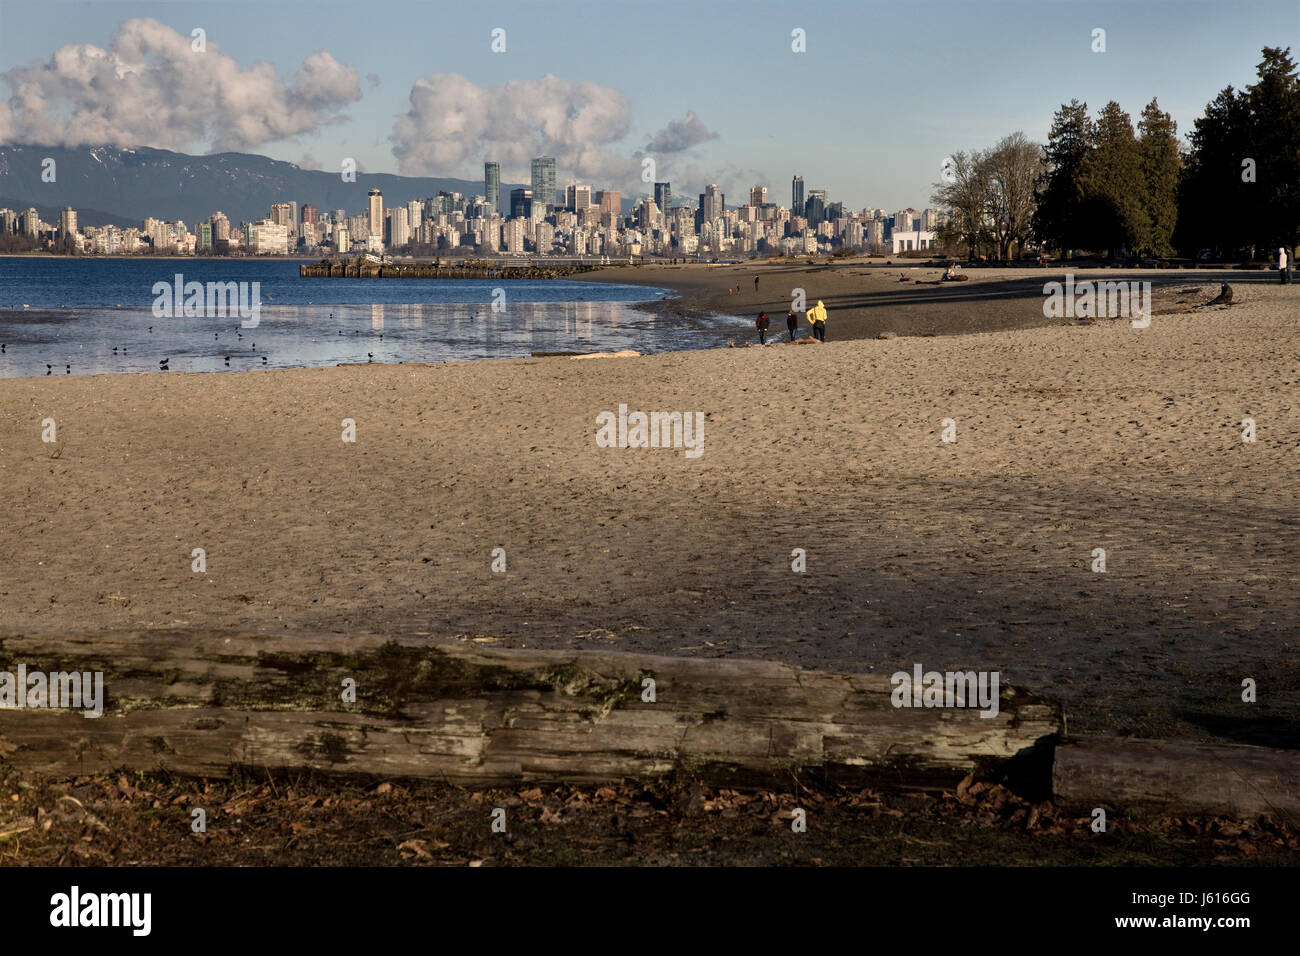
<point>1160,164</point>
<point>1220,207</point>
<point>1112,186</point>
<point>1274,104</point>
<point>1057,220</point>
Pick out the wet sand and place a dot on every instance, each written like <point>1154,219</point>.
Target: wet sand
<point>972,555</point>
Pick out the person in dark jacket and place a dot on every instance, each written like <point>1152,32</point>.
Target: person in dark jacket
<point>791,323</point>
<point>762,323</point>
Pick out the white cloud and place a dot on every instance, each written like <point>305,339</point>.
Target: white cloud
<point>454,124</point>
<point>149,88</point>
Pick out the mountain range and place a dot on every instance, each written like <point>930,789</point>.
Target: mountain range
<point>108,185</point>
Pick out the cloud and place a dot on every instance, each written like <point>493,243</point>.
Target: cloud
<point>679,135</point>
<point>149,88</point>
<point>454,124</point>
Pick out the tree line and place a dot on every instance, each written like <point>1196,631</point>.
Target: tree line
<point>1104,186</point>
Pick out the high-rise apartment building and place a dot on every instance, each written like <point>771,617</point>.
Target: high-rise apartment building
<point>758,195</point>
<point>310,214</point>
<point>376,213</point>
<point>282,214</point>
<point>67,222</point>
<point>796,196</point>
<point>492,185</point>
<point>399,227</point>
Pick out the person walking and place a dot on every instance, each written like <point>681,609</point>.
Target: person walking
<point>1283,273</point>
<point>762,323</point>
<point>791,323</point>
<point>817,317</point>
<point>755,283</point>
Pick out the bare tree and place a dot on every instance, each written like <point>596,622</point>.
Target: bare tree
<point>1010,169</point>
<point>965,190</point>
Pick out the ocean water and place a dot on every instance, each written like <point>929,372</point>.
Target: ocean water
<point>57,313</point>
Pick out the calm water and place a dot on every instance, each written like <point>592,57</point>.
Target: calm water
<point>58,312</point>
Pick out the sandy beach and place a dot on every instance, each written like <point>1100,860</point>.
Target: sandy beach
<point>868,296</point>
<point>968,555</point>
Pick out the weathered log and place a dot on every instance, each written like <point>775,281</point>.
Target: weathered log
<point>206,703</point>
<point>1177,776</point>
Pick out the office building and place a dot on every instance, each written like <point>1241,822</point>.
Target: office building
<point>492,185</point>
<point>664,197</point>
<point>543,169</point>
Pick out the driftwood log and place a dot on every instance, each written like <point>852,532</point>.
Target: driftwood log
<point>1178,776</point>
<point>207,703</point>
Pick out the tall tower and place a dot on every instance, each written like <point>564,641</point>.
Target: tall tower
<point>376,217</point>
<point>492,185</point>
<point>796,196</point>
<point>664,197</point>
<point>544,182</point>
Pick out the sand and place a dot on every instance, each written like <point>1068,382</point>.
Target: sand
<point>866,297</point>
<point>973,555</point>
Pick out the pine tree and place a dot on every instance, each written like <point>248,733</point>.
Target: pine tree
<point>1161,166</point>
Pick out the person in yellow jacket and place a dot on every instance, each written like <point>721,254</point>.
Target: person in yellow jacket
<point>817,316</point>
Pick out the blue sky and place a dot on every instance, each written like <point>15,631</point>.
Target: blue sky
<point>883,93</point>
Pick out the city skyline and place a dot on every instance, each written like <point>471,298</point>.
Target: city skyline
<point>348,88</point>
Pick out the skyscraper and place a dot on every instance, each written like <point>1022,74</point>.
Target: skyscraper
<point>376,213</point>
<point>712,202</point>
<point>815,207</point>
<point>796,196</point>
<point>521,201</point>
<point>577,196</point>
<point>544,181</point>
<point>610,202</point>
<point>757,195</point>
<point>664,197</point>
<point>492,185</point>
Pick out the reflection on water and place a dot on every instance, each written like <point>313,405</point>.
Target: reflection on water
<point>109,340</point>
